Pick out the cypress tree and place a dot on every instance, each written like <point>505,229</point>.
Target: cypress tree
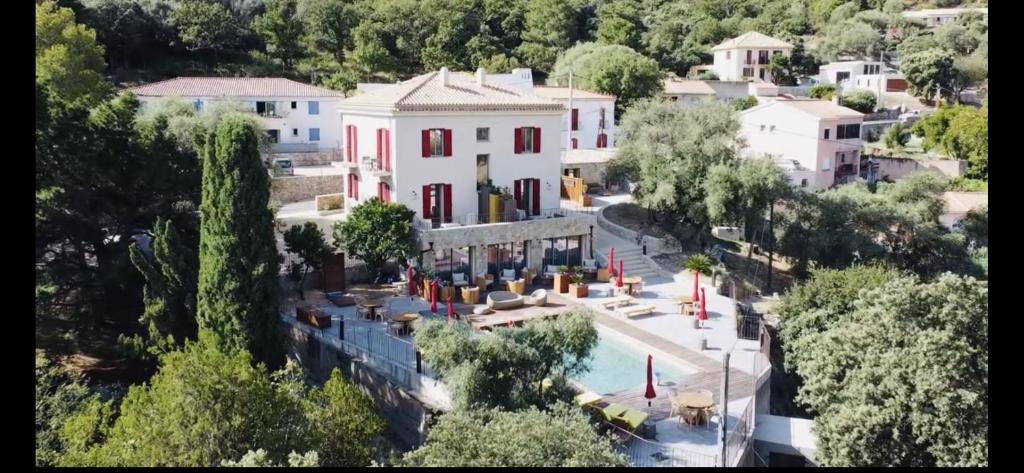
<point>169,294</point>
<point>238,259</point>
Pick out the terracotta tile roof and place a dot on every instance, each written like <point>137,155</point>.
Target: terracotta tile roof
<point>462,93</point>
<point>752,39</point>
<point>688,87</point>
<point>231,87</point>
<point>563,93</point>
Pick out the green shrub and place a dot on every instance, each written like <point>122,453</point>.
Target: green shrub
<point>897,136</point>
<point>823,91</point>
<point>862,101</point>
<point>744,103</point>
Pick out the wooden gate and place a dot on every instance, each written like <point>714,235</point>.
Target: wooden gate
<point>334,273</point>
<point>574,189</point>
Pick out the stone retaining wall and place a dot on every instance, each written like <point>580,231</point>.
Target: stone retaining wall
<point>289,189</point>
<point>898,168</point>
<point>318,158</point>
<point>654,245</point>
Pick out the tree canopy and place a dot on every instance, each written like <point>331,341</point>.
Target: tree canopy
<point>610,69</point>
<point>961,132</point>
<point>561,436</point>
<point>376,232</point>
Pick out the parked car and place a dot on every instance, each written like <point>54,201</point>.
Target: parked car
<point>282,167</point>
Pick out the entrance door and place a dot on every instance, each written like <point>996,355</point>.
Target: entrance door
<point>437,203</point>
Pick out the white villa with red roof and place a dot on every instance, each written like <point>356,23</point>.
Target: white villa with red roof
<point>300,118</point>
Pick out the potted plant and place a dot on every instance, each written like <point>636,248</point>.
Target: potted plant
<point>578,285</point>
<point>561,284</point>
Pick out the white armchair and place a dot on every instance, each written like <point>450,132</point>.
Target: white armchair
<point>508,275</point>
<point>550,271</point>
<point>590,265</point>
<point>459,280</point>
<point>487,277</point>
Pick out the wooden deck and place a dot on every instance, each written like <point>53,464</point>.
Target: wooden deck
<point>740,384</point>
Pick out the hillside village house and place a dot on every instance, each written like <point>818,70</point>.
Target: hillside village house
<point>747,56</point>
<point>817,143</point>
<point>477,162</point>
<point>933,17</point>
<point>872,76</point>
<point>587,133</point>
<point>300,119</point>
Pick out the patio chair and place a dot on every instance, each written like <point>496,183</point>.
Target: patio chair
<point>590,266</point>
<point>712,415</point>
<point>508,275</point>
<point>689,415</point>
<point>550,271</point>
<point>459,280</point>
<point>364,313</point>
<point>395,327</point>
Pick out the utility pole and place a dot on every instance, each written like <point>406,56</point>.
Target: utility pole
<point>724,402</point>
<point>568,125</point>
<point>771,242</point>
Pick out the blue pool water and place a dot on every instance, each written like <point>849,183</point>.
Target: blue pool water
<point>615,366</point>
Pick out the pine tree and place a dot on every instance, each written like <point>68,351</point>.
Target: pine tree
<point>169,294</point>
<point>238,259</point>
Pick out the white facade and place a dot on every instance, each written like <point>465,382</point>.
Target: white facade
<point>940,16</point>
<point>747,57</point>
<point>804,138</point>
<point>304,117</point>
<point>595,118</point>
<point>870,76</point>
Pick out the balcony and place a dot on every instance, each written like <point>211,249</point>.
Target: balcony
<point>376,167</point>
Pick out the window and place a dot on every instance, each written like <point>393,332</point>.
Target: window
<point>482,170</point>
<point>600,120</point>
<point>762,57</point>
<point>266,109</point>
<point>867,69</point>
<point>602,140</point>
<point>527,132</point>
<point>295,105</point>
<point>728,54</point>
<point>295,132</point>
<point>575,119</point>
<point>826,133</point>
<point>314,134</point>
<point>314,107</point>
<point>748,72</point>
<point>273,135</point>
<point>826,164</point>
<point>750,58</point>
<point>198,105</point>
<point>483,134</point>
<point>847,132</point>
<point>842,158</point>
<point>436,142</point>
<point>803,182</point>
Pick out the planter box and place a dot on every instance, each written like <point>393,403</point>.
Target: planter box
<point>602,275</point>
<point>446,293</point>
<point>578,290</point>
<point>561,284</point>
<point>588,201</point>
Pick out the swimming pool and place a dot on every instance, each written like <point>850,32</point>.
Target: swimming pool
<point>615,365</point>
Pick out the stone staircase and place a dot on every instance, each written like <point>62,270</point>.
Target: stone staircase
<point>633,262</point>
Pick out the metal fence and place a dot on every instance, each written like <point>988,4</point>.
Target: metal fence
<point>736,440</point>
<point>483,219</point>
<point>640,452</point>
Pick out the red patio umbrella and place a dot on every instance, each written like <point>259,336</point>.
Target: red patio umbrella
<point>703,305</point>
<point>611,261</point>
<point>408,277</point>
<point>696,296</point>
<point>451,310</point>
<point>618,281</point>
<point>433,297</point>
<point>650,394</point>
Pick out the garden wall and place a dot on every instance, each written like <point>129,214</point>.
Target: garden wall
<point>654,245</point>
<point>898,168</point>
<point>318,158</point>
<point>289,189</point>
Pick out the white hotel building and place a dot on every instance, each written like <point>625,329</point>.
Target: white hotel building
<point>478,163</point>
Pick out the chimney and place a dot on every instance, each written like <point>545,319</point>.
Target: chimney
<point>442,76</point>
<point>481,77</point>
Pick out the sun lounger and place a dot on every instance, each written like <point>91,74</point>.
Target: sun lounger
<point>631,419</point>
<point>638,310</point>
<point>619,301</point>
<point>611,410</point>
<point>588,397</point>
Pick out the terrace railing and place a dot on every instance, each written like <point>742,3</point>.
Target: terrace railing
<point>475,218</point>
<point>737,439</point>
<point>641,452</point>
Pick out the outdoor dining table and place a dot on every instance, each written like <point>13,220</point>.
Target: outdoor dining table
<point>630,282</point>
<point>372,305</point>
<point>406,319</point>
<point>695,400</point>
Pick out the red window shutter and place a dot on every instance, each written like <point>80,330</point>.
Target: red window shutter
<point>355,187</point>
<point>426,202</point>
<point>602,140</point>
<point>536,196</point>
<point>518,184</point>
<point>426,143</point>
<point>447,203</point>
<point>355,146</point>
<point>536,139</point>
<point>387,150</point>
<point>349,192</point>
<point>380,148</point>
<point>575,119</point>
<point>380,189</point>
<point>348,143</point>
<point>387,192</point>
<point>519,140</point>
<point>447,142</point>
<point>574,143</point>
